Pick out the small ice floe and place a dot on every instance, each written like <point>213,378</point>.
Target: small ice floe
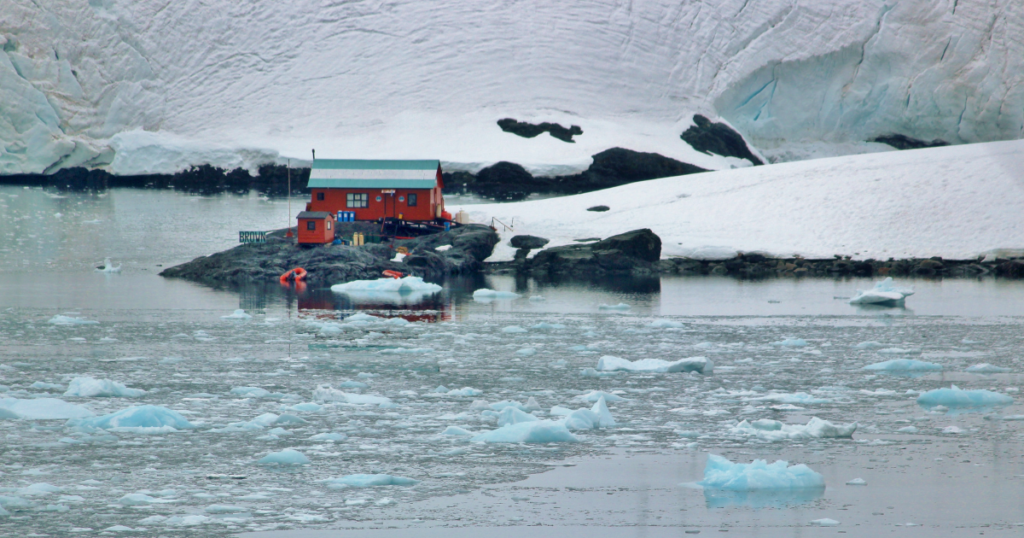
<point>141,499</point>
<point>404,285</point>
<point>287,456</point>
<point>464,392</point>
<point>88,387</point>
<point>545,326</point>
<point>327,394</point>
<point>527,352</point>
<point>329,437</point>
<point>143,419</point>
<point>237,314</point>
<point>773,430</point>
<point>368,481</point>
<point>250,392</point>
<point>701,365</point>
<point>869,345</point>
<point>825,522</point>
<point>41,385</point>
<point>791,398</point>
<point>442,248</point>
<point>665,324</point>
<point>791,342</point>
<point>720,473</point>
<point>513,329</point>
<point>597,416</point>
<point>986,368</point>
<point>955,399</point>
<point>883,294</point>
<point>456,431</point>
<point>857,482</point>
<point>70,320</point>
<point>485,295</point>
<point>903,366</point>
<point>953,430</point>
<point>539,431</point>
<point>512,415</point>
<point>621,307</point>
<point>595,395</point>
<point>109,267</point>
<point>537,298</point>
<point>41,409</point>
<point>900,351</point>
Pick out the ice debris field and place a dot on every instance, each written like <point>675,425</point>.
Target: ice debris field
<point>222,422</point>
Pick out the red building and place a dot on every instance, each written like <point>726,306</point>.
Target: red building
<point>409,190</point>
<point>316,227</point>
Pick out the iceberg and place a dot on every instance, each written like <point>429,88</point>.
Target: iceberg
<point>250,392</point>
<point>540,431</point>
<point>618,307</point>
<point>69,320</point>
<point>331,437</point>
<point>499,406</point>
<point>513,329</point>
<point>42,385</point>
<point>791,342</point>
<point>604,416</point>
<point>986,368</point>
<point>456,431</point>
<point>720,473</point>
<point>368,481</point>
<point>87,387</point>
<point>701,365</point>
<point>903,365</point>
<point>595,395</point>
<point>401,286</point>
<point>545,326</point>
<point>957,399</point>
<point>791,398</point>
<point>237,314</point>
<point>109,267</point>
<point>580,419</point>
<point>883,294</point>
<point>287,456</point>
<point>485,294</point>
<point>464,392</point>
<point>326,393</point>
<point>41,409</point>
<point>139,419</point>
<point>773,430</point>
<point>665,324</point>
<point>512,415</point>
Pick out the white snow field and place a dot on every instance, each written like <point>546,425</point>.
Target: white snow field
<point>957,202</point>
<point>147,86</point>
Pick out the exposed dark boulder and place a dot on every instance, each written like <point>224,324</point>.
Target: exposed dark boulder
<point>717,138</point>
<point>620,166</point>
<point>630,253</point>
<point>506,181</point>
<point>640,244</point>
<point>530,130</point>
<point>528,241</point>
<point>899,141</point>
<point>599,208</point>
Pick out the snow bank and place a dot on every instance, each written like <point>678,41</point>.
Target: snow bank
<point>287,456</point>
<point>956,398</point>
<point>773,430</point>
<point>720,473</point>
<point>903,365</point>
<point>139,419</point>
<point>540,431</point>
<point>402,286</point>
<point>87,387</point>
<point>884,293</point>
<point>701,365</point>
<point>41,409</point>
<point>368,481</point>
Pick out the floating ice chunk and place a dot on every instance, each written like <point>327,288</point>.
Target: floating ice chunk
<point>619,307</point>
<point>773,430</point>
<point>907,429</point>
<point>527,352</point>
<point>531,404</point>
<point>498,406</point>
<point>308,407</point>
<point>352,385</point>
<point>479,404</point>
<point>441,389</point>
<point>884,293</point>
<point>109,267</point>
<point>41,409</point>
<point>287,456</point>
<point>368,481</point>
<point>138,419</point>
<point>405,285</point>
<point>900,351</point>
<point>39,489</point>
<point>701,365</point>
<point>512,329</point>
<point>857,482</point>
<point>456,431</point>
<point>464,392</point>
<point>187,521</point>
<point>68,320</point>
<point>326,393</point>
<point>537,298</point>
<point>604,416</point>
<point>334,437</point>
<point>986,368</point>
<point>825,522</point>
<point>442,248</point>
<point>547,326</point>
<point>512,415</point>
<point>791,342</point>
<point>595,395</point>
<point>237,314</point>
<point>559,411</point>
<point>250,392</point>
<point>581,419</point>
<point>791,398</point>
<point>88,387</point>
<point>486,294</point>
<point>539,431</point>
<point>952,430</point>
<point>904,365</point>
<point>954,398</point>
<point>40,385</point>
<point>720,473</point>
<point>869,345</point>
<point>119,528</point>
<point>141,499</point>
<point>406,350</point>
<point>665,324</point>
<point>224,509</point>
<point>590,372</point>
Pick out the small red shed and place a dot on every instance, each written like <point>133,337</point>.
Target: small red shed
<point>316,227</point>
<point>408,190</point>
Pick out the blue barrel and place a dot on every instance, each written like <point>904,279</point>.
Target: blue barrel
<point>447,225</point>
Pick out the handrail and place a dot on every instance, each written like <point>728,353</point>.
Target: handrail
<point>508,228</point>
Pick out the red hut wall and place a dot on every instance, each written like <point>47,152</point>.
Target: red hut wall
<point>388,205</point>
<point>324,232</point>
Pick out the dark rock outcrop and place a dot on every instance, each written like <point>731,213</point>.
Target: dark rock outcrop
<point>899,141</point>
<point>717,138</point>
<point>528,241</point>
<point>332,264</point>
<point>598,208</point>
<point>631,253</point>
<point>530,130</point>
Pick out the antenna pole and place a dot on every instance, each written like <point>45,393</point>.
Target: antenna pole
<point>289,227</point>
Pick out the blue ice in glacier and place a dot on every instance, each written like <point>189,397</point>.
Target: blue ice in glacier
<point>138,418</point>
<point>368,481</point>
<point>955,398</point>
<point>287,456</point>
<point>540,431</point>
<point>720,473</point>
<point>90,387</point>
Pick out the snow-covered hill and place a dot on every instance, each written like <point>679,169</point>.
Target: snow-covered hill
<point>957,202</point>
<point>152,86</point>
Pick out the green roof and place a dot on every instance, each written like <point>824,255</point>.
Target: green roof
<point>373,174</point>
